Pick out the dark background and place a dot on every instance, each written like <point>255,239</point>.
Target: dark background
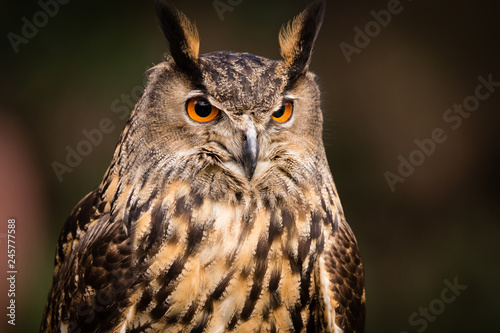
<point>440,224</point>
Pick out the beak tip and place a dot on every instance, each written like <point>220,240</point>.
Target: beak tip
<point>250,170</point>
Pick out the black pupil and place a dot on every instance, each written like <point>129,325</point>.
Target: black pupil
<point>203,108</point>
<point>280,112</point>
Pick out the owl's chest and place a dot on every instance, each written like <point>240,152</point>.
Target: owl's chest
<point>227,267</point>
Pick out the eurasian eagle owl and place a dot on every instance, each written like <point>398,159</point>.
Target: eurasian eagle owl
<point>218,212</point>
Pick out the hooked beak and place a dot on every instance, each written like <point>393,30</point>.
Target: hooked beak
<point>250,153</point>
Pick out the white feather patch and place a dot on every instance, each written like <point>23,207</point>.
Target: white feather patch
<point>325,286</point>
<point>128,319</point>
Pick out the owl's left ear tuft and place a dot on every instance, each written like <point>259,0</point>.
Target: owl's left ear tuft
<point>182,37</point>
<point>297,39</point>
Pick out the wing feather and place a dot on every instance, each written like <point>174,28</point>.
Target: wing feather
<point>344,272</point>
<point>93,272</point>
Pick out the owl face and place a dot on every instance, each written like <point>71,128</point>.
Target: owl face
<point>229,113</point>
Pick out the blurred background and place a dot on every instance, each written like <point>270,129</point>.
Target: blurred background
<point>381,92</point>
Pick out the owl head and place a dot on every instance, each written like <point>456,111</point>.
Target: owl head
<point>227,118</point>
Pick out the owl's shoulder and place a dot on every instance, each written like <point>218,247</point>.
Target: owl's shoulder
<point>94,263</point>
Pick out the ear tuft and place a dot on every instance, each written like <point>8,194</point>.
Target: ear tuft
<point>298,36</point>
<point>182,36</point>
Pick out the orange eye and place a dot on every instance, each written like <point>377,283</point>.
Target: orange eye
<point>201,110</point>
<point>284,113</point>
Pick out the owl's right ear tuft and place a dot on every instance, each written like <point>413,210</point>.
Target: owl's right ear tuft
<point>182,37</point>
<point>298,37</point>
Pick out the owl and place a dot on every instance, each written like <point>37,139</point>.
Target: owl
<point>218,212</point>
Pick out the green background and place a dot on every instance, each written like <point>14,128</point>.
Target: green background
<point>441,223</point>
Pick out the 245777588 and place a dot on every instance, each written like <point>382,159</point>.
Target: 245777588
<point>11,270</point>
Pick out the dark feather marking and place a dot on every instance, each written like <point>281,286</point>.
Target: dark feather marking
<point>312,320</point>
<point>160,297</point>
<point>194,237</point>
<point>182,208</point>
<point>104,187</point>
<point>296,318</point>
<point>158,311</point>
<point>167,176</point>
<point>274,280</point>
<point>265,198</point>
<point>260,271</point>
<point>323,204</point>
<point>275,300</point>
<point>199,327</point>
<point>197,199</point>
<point>288,175</point>
<point>140,328</point>
<point>315,224</point>
<point>146,298</point>
<point>248,219</point>
<point>305,282</point>
<point>233,322</point>
<point>295,263</point>
<point>272,328</point>
<point>328,221</point>
<point>101,207</point>
<point>304,247</point>
<point>221,146</point>
<point>86,210</point>
<point>320,245</point>
<point>275,227</point>
<point>126,213</point>
<point>172,319</point>
<point>186,319</point>
<point>165,291</point>
<point>287,218</point>
<point>150,170</point>
<point>207,311</point>
<point>168,287</point>
<point>174,270</point>
<point>262,249</point>
<point>266,312</point>
<point>250,303</point>
<point>208,308</point>
<point>336,223</point>
<point>221,287</point>
<point>158,225</point>
<point>137,211</point>
<point>78,218</point>
<point>274,295</point>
